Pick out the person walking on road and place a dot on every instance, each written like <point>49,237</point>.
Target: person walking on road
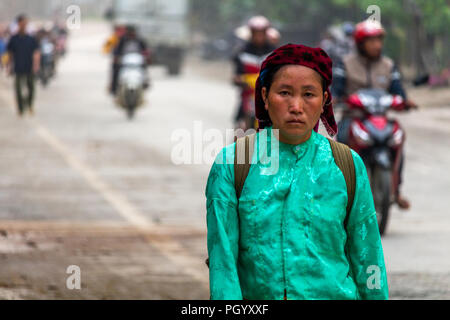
<point>307,230</point>
<point>23,50</point>
<point>2,47</point>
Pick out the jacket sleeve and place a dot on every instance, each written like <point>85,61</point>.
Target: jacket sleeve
<point>338,88</point>
<point>223,233</point>
<point>35,45</point>
<point>364,248</point>
<point>396,86</point>
<point>119,48</point>
<point>10,46</point>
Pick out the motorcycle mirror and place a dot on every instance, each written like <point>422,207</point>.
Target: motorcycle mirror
<point>354,101</point>
<point>397,102</point>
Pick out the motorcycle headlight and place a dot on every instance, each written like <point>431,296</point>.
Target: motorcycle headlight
<point>360,135</point>
<point>396,139</point>
<point>132,79</point>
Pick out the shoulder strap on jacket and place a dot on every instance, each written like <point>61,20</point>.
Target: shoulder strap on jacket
<point>344,160</point>
<point>242,161</point>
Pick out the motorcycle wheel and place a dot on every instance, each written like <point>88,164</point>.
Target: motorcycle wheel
<point>44,77</point>
<point>44,80</point>
<point>130,112</point>
<point>381,189</point>
<point>131,100</point>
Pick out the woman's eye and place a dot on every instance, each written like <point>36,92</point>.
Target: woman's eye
<point>309,94</point>
<point>284,93</point>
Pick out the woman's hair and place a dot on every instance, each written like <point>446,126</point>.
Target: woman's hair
<point>269,74</point>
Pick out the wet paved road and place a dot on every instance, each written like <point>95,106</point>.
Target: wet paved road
<point>82,185</point>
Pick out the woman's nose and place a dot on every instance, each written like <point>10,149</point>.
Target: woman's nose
<point>296,105</point>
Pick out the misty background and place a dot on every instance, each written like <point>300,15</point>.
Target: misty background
<point>418,31</point>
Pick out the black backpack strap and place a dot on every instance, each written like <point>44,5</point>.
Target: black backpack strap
<point>344,160</point>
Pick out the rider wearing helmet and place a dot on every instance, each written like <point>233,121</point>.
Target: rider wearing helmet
<point>367,67</point>
<point>108,48</point>
<point>250,56</point>
<point>338,41</point>
<point>129,42</point>
<point>113,40</point>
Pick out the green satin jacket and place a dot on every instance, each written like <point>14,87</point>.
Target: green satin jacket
<point>285,237</point>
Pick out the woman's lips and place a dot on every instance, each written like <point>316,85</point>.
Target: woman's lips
<point>296,121</point>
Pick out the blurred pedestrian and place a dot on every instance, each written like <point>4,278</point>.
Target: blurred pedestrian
<point>24,63</point>
<point>3,43</point>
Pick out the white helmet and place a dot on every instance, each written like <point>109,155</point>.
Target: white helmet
<point>258,23</point>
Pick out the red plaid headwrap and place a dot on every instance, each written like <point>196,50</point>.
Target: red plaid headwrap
<point>314,58</point>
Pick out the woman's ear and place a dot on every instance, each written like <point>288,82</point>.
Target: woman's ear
<point>264,96</point>
<point>325,99</point>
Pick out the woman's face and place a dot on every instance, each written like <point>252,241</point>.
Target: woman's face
<point>295,102</point>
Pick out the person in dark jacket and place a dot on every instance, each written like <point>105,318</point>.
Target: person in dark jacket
<point>24,53</point>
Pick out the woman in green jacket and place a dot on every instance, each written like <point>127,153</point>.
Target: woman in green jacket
<point>285,237</point>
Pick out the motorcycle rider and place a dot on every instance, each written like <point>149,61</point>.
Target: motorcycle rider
<point>259,46</point>
<point>108,48</point>
<point>274,36</point>
<point>47,46</point>
<point>130,42</point>
<point>338,41</point>
<point>59,34</point>
<point>367,67</point>
<point>113,40</point>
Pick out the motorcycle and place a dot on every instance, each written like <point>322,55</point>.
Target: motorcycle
<point>61,42</point>
<point>132,82</point>
<point>379,141</point>
<point>252,64</point>
<point>47,69</point>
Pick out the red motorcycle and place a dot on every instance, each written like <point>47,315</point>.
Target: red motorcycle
<point>252,64</point>
<point>379,141</point>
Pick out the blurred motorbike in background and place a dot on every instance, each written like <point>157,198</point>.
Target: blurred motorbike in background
<point>48,61</point>
<point>251,64</point>
<point>379,141</point>
<point>133,80</point>
<point>61,44</point>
